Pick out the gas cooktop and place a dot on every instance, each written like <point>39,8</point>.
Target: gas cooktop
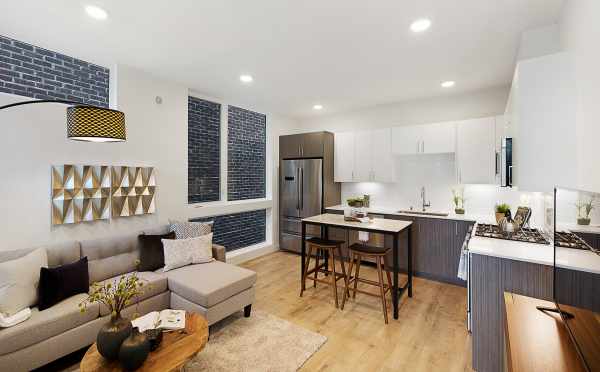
<point>526,235</point>
<point>567,239</point>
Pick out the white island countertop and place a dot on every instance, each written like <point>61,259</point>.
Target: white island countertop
<point>450,216</point>
<point>542,254</point>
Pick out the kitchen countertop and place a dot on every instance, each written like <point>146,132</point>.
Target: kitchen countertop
<point>451,216</point>
<point>375,224</point>
<point>536,253</point>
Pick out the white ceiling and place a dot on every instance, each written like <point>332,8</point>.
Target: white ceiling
<point>343,54</point>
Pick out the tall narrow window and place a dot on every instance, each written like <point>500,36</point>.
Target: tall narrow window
<point>246,159</point>
<point>204,153</point>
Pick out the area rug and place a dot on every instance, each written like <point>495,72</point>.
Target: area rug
<point>261,343</point>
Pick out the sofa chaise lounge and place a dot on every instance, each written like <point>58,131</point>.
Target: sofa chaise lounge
<point>215,290</point>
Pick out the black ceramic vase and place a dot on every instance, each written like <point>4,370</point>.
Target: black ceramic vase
<point>111,336</point>
<point>134,350</point>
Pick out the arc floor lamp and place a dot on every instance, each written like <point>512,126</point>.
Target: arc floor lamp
<point>88,123</point>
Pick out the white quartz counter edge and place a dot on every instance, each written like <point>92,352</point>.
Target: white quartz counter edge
<point>451,216</point>
<point>536,253</point>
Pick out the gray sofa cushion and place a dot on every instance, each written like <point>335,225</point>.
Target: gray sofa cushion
<point>110,257</point>
<point>154,284</point>
<point>210,283</point>
<point>58,253</point>
<point>48,323</point>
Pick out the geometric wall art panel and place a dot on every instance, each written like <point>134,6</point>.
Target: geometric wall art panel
<point>133,191</point>
<point>80,193</point>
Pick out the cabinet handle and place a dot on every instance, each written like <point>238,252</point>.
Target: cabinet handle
<point>423,147</point>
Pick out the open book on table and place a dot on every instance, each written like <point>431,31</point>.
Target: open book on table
<point>167,320</point>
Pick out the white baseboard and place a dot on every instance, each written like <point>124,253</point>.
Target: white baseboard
<point>246,254</point>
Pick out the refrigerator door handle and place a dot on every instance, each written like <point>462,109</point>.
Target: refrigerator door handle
<point>298,188</point>
<point>301,188</point>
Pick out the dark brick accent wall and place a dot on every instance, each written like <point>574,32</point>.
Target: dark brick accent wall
<point>30,71</point>
<point>246,162</point>
<point>239,230</point>
<point>204,150</point>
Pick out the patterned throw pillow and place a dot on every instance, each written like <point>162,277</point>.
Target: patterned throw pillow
<point>186,230</point>
<point>183,252</point>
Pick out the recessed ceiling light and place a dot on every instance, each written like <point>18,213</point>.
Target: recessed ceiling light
<point>318,107</point>
<point>96,12</point>
<point>246,78</point>
<point>420,25</point>
<point>448,84</point>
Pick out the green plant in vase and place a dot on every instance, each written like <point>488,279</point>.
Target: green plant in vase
<point>502,210</point>
<point>355,202</point>
<point>115,295</point>
<point>584,209</point>
<point>459,201</point>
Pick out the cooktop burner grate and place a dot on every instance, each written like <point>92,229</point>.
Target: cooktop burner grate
<point>567,239</point>
<point>526,235</point>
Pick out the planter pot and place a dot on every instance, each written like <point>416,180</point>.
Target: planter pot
<point>134,350</point>
<point>500,217</point>
<point>583,221</point>
<point>111,336</point>
<point>459,210</point>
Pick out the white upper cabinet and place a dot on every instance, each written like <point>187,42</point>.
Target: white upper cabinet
<point>475,151</point>
<point>406,140</point>
<point>344,157</point>
<point>437,138</point>
<point>383,161</point>
<point>543,117</point>
<point>364,156</point>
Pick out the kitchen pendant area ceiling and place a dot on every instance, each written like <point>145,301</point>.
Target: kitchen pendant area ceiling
<point>345,53</point>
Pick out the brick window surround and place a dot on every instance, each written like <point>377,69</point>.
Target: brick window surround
<point>31,71</point>
<point>246,159</point>
<point>204,150</point>
<point>238,230</point>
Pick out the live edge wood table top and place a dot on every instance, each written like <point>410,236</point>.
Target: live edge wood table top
<point>375,225</point>
<point>176,349</point>
<point>536,340</point>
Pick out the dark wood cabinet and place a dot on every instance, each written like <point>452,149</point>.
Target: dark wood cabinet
<point>305,145</point>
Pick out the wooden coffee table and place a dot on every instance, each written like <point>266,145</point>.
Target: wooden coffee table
<point>176,349</point>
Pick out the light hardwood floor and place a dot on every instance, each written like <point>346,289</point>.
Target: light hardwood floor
<point>430,334</point>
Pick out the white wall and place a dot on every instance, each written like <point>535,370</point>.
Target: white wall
<point>580,31</point>
<point>539,42</point>
<point>35,139</point>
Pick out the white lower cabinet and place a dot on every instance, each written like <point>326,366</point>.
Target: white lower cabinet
<point>475,151</point>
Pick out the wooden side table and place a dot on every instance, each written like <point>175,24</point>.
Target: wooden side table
<point>176,349</point>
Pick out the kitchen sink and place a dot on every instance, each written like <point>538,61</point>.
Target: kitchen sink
<point>426,213</point>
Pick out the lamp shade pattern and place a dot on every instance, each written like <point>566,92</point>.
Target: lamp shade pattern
<point>96,124</point>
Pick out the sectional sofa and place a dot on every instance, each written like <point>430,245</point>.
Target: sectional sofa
<point>215,290</point>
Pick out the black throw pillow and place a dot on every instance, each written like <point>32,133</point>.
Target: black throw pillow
<point>62,282</point>
<point>152,256</point>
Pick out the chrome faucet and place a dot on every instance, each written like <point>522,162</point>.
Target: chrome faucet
<point>425,204</point>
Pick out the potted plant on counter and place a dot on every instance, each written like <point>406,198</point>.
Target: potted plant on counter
<point>459,201</point>
<point>502,209</point>
<point>584,209</point>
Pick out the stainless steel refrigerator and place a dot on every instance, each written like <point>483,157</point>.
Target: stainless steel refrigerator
<point>301,196</point>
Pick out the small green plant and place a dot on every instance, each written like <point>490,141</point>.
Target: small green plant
<point>584,208</point>
<point>357,202</point>
<point>458,198</point>
<point>502,208</point>
<point>116,295</point>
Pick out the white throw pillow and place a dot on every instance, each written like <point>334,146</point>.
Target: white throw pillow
<point>186,230</point>
<point>19,280</point>
<point>182,252</point>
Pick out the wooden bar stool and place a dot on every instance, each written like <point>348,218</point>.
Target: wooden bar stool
<point>324,249</point>
<point>357,252</point>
